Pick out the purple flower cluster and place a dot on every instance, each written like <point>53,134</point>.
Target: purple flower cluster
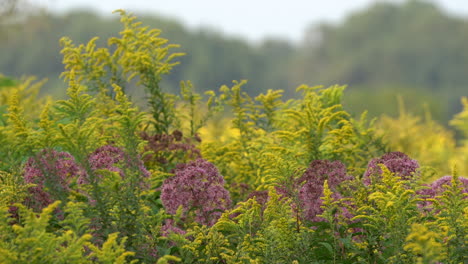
<point>397,162</point>
<point>197,187</point>
<point>52,172</point>
<point>113,158</point>
<point>437,187</point>
<point>311,185</point>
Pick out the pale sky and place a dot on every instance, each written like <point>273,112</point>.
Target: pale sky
<point>252,19</point>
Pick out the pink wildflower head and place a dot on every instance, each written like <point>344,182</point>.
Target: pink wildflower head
<point>197,187</point>
<point>437,188</point>
<point>52,172</point>
<point>114,159</point>
<point>107,157</point>
<point>311,185</point>
<point>397,162</point>
<point>440,185</point>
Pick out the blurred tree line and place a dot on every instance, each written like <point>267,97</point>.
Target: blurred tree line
<point>413,49</point>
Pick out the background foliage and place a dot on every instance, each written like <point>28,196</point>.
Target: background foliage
<point>384,50</point>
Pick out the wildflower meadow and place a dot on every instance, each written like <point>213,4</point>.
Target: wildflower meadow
<point>220,177</point>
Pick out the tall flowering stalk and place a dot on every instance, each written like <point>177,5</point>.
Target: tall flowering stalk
<point>199,188</point>
<point>116,196</point>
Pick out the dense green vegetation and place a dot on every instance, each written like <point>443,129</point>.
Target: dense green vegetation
<point>412,49</point>
<point>232,178</point>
